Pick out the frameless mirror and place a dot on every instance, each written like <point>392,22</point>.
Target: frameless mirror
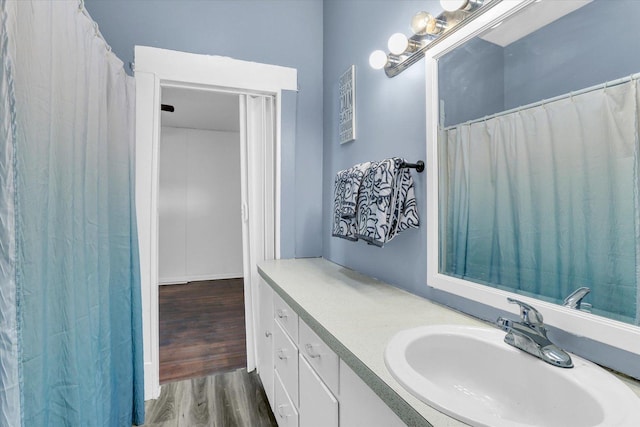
<point>538,155</point>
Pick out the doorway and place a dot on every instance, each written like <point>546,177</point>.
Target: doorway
<point>260,87</point>
<point>201,325</point>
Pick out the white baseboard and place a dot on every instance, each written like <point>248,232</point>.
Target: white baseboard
<point>186,279</point>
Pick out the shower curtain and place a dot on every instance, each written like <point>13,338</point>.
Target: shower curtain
<point>70,307</point>
<point>544,200</point>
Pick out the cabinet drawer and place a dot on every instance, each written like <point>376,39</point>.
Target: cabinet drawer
<point>286,316</point>
<point>285,357</point>
<point>285,411</point>
<point>320,356</point>
<point>318,406</point>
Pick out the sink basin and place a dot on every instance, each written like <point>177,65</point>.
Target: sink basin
<point>472,375</point>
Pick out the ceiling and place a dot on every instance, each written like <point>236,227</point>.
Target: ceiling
<point>530,19</point>
<point>201,109</point>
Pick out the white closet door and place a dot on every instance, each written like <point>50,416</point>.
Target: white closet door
<point>257,136</point>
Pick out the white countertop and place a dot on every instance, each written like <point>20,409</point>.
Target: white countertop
<point>356,316</point>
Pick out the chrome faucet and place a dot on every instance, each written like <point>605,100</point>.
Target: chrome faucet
<point>530,335</point>
<point>574,300</point>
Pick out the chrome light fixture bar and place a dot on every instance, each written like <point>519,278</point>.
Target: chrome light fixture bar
<point>428,30</point>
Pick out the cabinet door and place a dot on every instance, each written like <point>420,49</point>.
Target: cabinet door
<point>265,339</point>
<point>318,407</point>
<point>360,406</point>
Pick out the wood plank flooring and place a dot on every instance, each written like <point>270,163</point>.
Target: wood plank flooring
<point>202,329</point>
<point>233,399</point>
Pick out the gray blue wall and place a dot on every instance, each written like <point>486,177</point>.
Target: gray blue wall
<point>279,32</point>
<point>390,122</point>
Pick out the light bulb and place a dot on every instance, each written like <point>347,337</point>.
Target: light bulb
<point>377,59</point>
<point>436,25</point>
<point>451,5</point>
<point>419,23</point>
<point>398,43</point>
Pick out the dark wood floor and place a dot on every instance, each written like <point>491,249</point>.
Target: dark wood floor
<point>232,399</point>
<point>202,329</point>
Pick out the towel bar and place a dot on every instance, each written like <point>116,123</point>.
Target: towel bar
<point>418,166</point>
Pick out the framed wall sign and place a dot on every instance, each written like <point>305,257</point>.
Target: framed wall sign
<point>347,110</point>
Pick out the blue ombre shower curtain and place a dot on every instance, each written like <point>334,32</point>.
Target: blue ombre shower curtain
<point>70,306</point>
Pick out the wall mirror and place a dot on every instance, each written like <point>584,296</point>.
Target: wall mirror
<point>532,122</point>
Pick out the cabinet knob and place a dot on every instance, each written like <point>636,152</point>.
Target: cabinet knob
<point>282,354</point>
<point>281,411</point>
<point>311,350</point>
<point>267,334</point>
<point>282,314</point>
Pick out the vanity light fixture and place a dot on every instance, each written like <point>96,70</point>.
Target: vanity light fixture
<point>466,5</point>
<point>406,51</point>
<point>400,44</point>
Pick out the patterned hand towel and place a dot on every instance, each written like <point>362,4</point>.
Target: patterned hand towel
<point>342,227</point>
<point>386,202</point>
<point>352,187</point>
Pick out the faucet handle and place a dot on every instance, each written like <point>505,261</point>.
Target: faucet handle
<point>574,300</point>
<point>528,314</point>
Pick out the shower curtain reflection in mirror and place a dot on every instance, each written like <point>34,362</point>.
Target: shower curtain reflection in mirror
<point>543,200</point>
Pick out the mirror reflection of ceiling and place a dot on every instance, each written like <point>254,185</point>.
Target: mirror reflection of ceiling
<point>590,45</point>
<point>531,19</point>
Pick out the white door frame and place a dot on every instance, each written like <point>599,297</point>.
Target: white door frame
<point>155,68</point>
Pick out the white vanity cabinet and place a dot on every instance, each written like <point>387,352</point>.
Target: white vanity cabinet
<point>305,381</point>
